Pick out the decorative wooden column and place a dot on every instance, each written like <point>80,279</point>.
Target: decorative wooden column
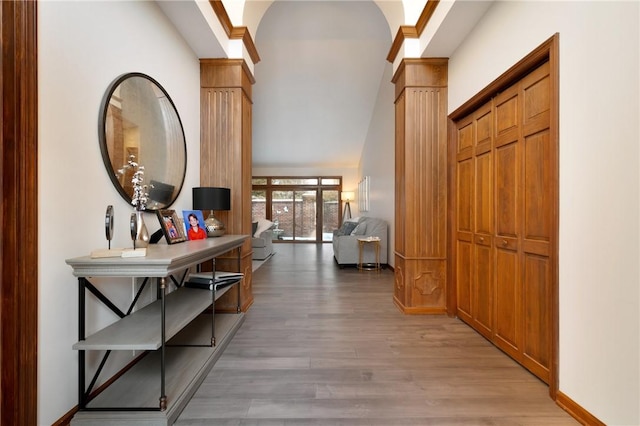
<point>421,186</point>
<point>225,156</point>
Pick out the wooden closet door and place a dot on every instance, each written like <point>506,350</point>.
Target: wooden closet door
<point>504,220</point>
<point>465,228</point>
<point>483,234</point>
<point>537,221</point>
<point>474,197</point>
<point>507,219</point>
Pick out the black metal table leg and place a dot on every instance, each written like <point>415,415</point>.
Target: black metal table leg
<point>163,394</point>
<point>239,268</point>
<point>213,302</point>
<point>82,401</point>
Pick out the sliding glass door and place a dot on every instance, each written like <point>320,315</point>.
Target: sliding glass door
<point>302,209</point>
<point>330,213</point>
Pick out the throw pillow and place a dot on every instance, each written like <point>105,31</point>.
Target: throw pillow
<point>347,228</point>
<point>360,229</point>
<point>254,228</point>
<point>263,225</point>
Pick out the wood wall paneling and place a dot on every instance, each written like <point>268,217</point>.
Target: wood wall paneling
<point>225,156</point>
<point>19,245</point>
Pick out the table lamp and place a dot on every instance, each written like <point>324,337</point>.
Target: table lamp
<point>212,198</point>
<point>347,196</point>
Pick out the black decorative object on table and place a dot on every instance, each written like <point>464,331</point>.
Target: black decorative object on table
<point>212,198</point>
<point>108,224</point>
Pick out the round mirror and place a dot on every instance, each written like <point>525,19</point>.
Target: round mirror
<point>139,123</point>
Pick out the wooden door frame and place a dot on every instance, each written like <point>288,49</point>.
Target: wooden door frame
<point>19,213</point>
<point>547,51</point>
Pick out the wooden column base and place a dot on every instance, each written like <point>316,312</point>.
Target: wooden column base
<point>420,285</point>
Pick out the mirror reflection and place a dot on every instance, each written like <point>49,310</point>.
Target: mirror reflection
<point>139,122</point>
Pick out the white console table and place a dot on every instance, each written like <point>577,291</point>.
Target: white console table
<point>181,342</point>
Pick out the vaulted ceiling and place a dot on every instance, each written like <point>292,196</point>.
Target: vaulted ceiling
<point>317,82</point>
<point>322,67</point>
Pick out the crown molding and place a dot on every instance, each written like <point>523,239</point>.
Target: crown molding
<point>236,33</point>
<point>412,31</point>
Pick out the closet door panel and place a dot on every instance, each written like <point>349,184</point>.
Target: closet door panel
<point>537,100</point>
<point>484,129</point>
<point>483,285</point>
<point>484,195</point>
<point>464,235</point>
<point>537,223</point>
<point>537,180</point>
<point>465,138</point>
<point>506,190</point>
<point>536,345</point>
<point>507,330</point>
<point>483,171</point>
<point>506,117</point>
<point>483,289</point>
<point>464,274</point>
<point>537,219</point>
<point>483,260</point>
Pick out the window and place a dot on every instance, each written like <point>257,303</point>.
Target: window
<point>303,209</point>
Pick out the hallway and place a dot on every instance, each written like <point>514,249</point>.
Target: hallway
<point>325,346</point>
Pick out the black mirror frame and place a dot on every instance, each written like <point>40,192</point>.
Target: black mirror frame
<point>104,105</point>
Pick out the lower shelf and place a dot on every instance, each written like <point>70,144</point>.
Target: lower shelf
<point>186,368</point>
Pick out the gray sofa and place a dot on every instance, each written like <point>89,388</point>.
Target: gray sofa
<point>262,245</point>
<point>345,240</point>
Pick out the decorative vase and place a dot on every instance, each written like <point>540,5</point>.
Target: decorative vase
<point>139,232</point>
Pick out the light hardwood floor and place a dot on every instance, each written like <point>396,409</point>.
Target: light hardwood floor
<point>325,346</point>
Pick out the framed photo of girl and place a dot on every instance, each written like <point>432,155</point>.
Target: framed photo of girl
<point>194,224</point>
<point>171,228</point>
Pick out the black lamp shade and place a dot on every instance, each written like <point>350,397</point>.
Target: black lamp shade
<point>211,198</point>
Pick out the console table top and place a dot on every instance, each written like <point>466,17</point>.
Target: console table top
<point>161,260</point>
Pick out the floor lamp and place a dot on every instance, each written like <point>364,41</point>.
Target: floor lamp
<point>346,196</point>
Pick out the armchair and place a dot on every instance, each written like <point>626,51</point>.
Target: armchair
<point>262,241</point>
<point>262,245</point>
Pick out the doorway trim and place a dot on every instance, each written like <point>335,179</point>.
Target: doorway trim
<point>547,51</point>
<point>18,243</point>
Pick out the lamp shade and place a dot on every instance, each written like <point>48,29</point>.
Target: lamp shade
<point>211,198</point>
<point>347,196</point>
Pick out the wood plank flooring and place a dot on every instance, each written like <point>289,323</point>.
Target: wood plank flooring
<point>326,346</point>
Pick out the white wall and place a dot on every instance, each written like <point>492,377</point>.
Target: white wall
<point>599,182</point>
<point>82,48</point>
<point>378,159</point>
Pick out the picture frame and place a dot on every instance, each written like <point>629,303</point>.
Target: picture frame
<point>171,228</point>
<point>363,194</point>
<point>201,234</point>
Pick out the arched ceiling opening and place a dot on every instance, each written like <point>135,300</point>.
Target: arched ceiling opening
<point>321,70</point>
<point>249,13</point>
